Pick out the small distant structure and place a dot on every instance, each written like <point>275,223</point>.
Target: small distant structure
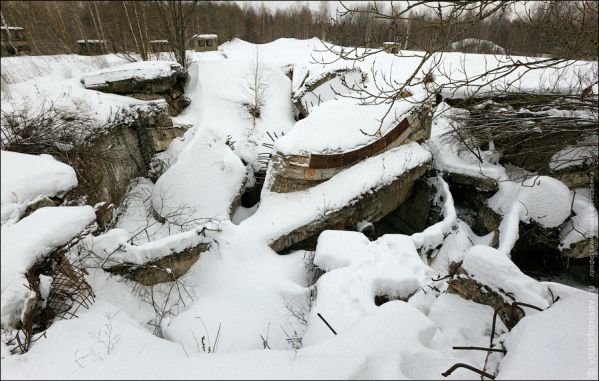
<point>13,41</point>
<point>91,47</point>
<point>205,42</point>
<point>159,46</point>
<point>391,47</point>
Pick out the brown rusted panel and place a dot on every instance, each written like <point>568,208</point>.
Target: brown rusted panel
<point>349,158</point>
<point>310,173</point>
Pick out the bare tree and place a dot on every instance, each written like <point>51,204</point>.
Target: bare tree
<point>257,86</point>
<point>432,26</point>
<point>177,23</point>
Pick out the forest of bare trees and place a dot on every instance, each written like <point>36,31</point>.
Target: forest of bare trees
<point>54,26</point>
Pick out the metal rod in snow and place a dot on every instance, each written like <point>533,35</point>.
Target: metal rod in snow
<point>326,322</point>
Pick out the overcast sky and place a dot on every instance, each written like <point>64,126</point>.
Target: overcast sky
<point>333,5</point>
<point>274,5</point>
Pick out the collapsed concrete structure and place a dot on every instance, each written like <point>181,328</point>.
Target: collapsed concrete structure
<point>166,81</point>
<point>301,171</point>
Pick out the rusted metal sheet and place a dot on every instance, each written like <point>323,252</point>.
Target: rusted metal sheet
<point>318,161</point>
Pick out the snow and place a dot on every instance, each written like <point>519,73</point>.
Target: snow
<point>556,344</point>
<point>205,36</point>
<point>91,41</point>
<point>220,88</point>
<point>450,156</point>
<point>357,271</point>
<point>36,83</point>
<point>584,153</point>
<point>284,212</point>
<point>478,45</point>
<point>189,190</point>
<point>342,84</point>
<point>341,126</point>
<point>144,70</point>
<point>250,293</point>
<point>489,266</point>
<point>541,199</point>
<point>26,178</point>
<point>434,235</point>
<point>31,239</point>
<point>583,224</point>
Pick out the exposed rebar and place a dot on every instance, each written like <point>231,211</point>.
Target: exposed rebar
<point>469,367</point>
<point>326,322</point>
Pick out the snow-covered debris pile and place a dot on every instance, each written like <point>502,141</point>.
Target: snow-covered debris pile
<point>358,272</point>
<point>286,212</point>
<point>143,80</point>
<point>539,199</point>
<point>162,260</point>
<point>487,276</point>
<point>578,237</point>
<point>29,240</point>
<point>328,85</point>
<point>490,267</point>
<point>341,125</point>
<point>28,178</point>
<point>453,158</point>
<point>136,71</point>
<point>221,89</point>
<point>206,182</point>
<point>582,154</point>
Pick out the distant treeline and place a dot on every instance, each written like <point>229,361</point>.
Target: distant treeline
<point>54,26</point>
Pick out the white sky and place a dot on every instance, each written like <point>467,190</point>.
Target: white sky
<point>314,5</point>
<point>333,5</point>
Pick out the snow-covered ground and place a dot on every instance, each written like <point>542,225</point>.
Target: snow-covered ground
<point>242,310</point>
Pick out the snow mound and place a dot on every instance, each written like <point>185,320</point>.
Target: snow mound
<point>489,266</point>
<point>542,199</point>
<point>476,45</point>
<point>583,223</point>
<point>357,271</point>
<point>342,125</point>
<point>27,177</point>
<point>557,344</point>
<point>143,70</point>
<point>202,184</point>
<point>31,239</point>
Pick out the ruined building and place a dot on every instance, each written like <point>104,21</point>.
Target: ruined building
<point>14,41</point>
<point>205,42</point>
<point>92,47</point>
